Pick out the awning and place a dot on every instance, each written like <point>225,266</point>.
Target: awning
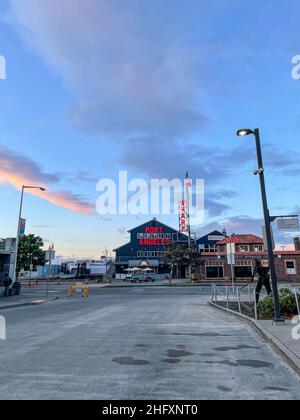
<point>136,263</point>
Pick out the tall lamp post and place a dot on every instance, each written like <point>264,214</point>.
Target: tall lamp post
<point>24,187</point>
<point>267,217</point>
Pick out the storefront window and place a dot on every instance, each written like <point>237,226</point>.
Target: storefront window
<point>291,267</point>
<point>214,269</point>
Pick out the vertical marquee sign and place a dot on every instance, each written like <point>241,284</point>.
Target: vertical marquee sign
<point>183,216</point>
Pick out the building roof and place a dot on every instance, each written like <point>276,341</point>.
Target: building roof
<point>182,237</point>
<point>242,239</point>
<point>156,223</point>
<point>206,238</point>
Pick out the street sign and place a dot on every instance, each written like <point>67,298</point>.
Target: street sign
<point>266,248</point>
<point>50,255</point>
<point>288,223</point>
<point>230,253</point>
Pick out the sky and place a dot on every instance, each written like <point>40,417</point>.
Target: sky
<point>152,88</point>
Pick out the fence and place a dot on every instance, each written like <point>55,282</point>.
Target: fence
<point>243,299</point>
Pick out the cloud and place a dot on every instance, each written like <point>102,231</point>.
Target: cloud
<point>215,208</point>
<point>138,75</point>
<point>157,158</point>
<point>278,160</point>
<point>79,177</point>
<point>138,72</point>
<point>17,170</point>
<point>13,164</point>
<point>238,225</point>
<point>132,64</point>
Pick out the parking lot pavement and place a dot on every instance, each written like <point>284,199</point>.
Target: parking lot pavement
<point>137,344</point>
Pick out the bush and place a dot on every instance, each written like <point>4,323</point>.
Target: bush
<point>287,303</point>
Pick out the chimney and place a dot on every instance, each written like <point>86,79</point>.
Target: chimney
<point>297,244</point>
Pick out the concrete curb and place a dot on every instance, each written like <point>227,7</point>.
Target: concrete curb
<point>35,302</point>
<point>279,348</point>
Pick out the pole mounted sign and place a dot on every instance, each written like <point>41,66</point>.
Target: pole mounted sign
<point>230,248</point>
<point>183,216</point>
<point>22,227</point>
<point>288,223</point>
<point>264,232</point>
<point>50,254</point>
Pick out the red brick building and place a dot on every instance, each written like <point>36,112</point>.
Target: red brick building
<point>248,248</point>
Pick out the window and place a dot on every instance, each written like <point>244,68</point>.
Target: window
<point>214,269</point>
<point>175,237</point>
<point>243,269</point>
<point>140,236</point>
<point>140,254</point>
<point>210,248</point>
<point>214,263</point>
<point>243,263</point>
<point>258,248</point>
<point>291,267</point>
<point>244,248</point>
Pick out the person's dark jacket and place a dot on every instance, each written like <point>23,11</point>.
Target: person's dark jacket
<point>7,281</point>
<point>262,271</point>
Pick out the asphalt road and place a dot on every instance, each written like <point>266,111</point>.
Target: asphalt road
<point>137,343</point>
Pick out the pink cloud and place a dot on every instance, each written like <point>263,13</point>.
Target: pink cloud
<point>17,170</point>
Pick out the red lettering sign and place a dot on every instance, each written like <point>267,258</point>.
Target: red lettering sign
<point>182,216</point>
<point>154,242</point>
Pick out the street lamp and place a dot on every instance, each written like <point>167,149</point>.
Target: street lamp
<point>267,217</point>
<point>24,187</point>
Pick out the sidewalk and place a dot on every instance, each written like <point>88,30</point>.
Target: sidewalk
<point>25,299</point>
<point>282,338</point>
<point>174,282</point>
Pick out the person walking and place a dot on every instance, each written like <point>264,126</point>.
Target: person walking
<point>263,279</point>
<point>7,284</point>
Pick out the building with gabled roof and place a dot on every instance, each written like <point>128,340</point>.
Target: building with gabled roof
<point>147,245</point>
<point>244,239</point>
<point>247,249</point>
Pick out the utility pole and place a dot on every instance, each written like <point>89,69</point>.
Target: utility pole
<point>188,185</point>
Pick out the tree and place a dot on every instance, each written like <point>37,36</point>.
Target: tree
<point>30,253</point>
<point>176,255</point>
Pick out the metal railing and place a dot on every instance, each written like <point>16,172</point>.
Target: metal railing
<point>242,297</point>
<point>235,297</point>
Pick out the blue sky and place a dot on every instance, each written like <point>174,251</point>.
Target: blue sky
<point>155,88</point>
